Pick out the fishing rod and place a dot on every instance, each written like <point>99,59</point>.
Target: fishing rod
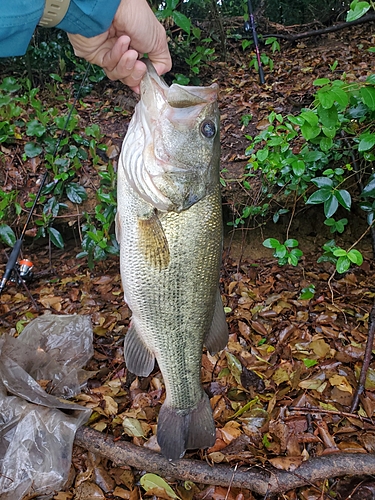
<point>251,26</point>
<point>11,266</point>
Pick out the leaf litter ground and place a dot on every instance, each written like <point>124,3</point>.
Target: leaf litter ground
<point>282,390</point>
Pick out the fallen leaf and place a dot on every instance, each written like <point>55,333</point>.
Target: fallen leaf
<point>320,348</point>
<point>316,382</point>
<point>88,491</point>
<point>216,457</point>
<point>121,493</point>
<point>286,463</point>
<point>341,383</point>
<point>111,407</point>
<point>351,447</point>
<point>132,427</point>
<point>155,485</point>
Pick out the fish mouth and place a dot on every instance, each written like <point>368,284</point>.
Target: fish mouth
<point>156,93</point>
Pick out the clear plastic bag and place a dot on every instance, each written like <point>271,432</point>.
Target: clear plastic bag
<point>37,428</point>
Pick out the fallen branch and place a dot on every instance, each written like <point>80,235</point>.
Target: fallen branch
<point>262,480</point>
<point>323,31</point>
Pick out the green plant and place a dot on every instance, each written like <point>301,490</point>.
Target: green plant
<point>307,292</point>
<point>334,65</point>
<point>188,44</point>
<point>286,253</point>
<point>25,115</point>
<point>249,211</point>
<point>8,204</point>
<point>329,194</point>
<point>342,259</point>
<point>264,58</point>
<point>203,53</point>
<point>309,363</point>
<point>98,239</point>
<point>338,226</point>
<point>275,46</point>
<point>357,9</point>
<point>368,204</point>
<point>51,209</point>
<point>308,157</point>
<point>246,119</point>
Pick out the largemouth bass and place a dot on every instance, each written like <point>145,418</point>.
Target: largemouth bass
<point>169,226</point>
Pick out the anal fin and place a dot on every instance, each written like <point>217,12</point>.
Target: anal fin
<point>181,430</point>
<point>153,243</point>
<point>138,357</point>
<point>217,337</point>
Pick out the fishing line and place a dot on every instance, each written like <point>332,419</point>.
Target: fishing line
<point>250,25</point>
<point>11,264</point>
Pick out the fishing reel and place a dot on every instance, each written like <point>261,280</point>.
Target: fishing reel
<point>21,273</point>
<point>247,26</point>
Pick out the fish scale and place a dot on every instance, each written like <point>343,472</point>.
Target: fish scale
<point>170,259</point>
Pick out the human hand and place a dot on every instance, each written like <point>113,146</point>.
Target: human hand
<point>134,31</point>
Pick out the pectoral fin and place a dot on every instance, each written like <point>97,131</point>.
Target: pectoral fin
<point>118,227</point>
<point>153,243</point>
<point>138,357</point>
<point>217,337</point>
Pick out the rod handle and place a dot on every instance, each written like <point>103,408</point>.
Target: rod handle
<point>262,80</point>
<point>11,263</point>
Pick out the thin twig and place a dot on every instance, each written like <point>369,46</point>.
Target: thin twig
<point>330,286</point>
<point>329,29</point>
<point>332,412</point>
<point>370,227</point>
<point>292,215</point>
<point>230,484</point>
<point>366,360</point>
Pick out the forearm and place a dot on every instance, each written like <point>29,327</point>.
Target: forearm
<point>19,19</point>
<point>89,18</point>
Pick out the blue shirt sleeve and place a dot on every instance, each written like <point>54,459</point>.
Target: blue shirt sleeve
<point>19,19</point>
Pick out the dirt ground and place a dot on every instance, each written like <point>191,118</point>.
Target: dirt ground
<point>284,352</point>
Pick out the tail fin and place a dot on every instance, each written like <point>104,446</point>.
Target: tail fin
<point>181,430</point>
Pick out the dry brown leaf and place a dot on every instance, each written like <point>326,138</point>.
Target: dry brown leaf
<point>121,493</point>
<point>230,431</point>
<point>351,447</point>
<point>320,348</point>
<point>326,436</point>
<point>51,302</point>
<point>316,382</point>
<point>110,406</point>
<point>216,457</point>
<point>341,383</point>
<point>286,463</point>
<point>88,491</point>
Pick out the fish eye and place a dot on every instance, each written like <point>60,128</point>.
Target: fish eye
<point>208,128</point>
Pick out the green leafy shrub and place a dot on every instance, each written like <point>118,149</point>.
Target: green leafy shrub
<point>286,253</point>
<point>25,115</point>
<point>341,258</point>
<point>309,157</point>
<point>189,46</point>
<point>98,236</point>
<point>8,205</point>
